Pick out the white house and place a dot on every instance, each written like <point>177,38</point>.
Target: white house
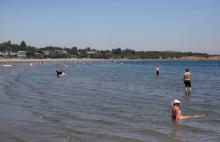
<point>21,53</point>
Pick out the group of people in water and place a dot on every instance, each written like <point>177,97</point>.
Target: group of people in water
<point>186,77</point>
<point>175,104</point>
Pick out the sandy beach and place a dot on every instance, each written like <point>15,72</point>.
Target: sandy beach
<point>19,60</point>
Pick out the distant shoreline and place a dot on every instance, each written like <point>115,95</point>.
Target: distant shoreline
<point>18,60</point>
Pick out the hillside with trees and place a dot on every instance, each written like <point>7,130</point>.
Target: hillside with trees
<point>9,50</point>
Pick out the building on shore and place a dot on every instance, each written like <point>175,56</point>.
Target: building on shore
<point>19,54</point>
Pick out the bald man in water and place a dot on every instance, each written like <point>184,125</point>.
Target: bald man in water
<point>187,82</point>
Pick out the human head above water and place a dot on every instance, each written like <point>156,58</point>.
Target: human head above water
<point>176,102</point>
<point>187,70</point>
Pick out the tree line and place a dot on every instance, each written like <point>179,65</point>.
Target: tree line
<point>75,52</point>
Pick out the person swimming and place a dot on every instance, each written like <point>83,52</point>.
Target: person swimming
<point>60,73</point>
<point>177,114</point>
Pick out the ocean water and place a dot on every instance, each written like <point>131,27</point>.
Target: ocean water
<point>108,102</point>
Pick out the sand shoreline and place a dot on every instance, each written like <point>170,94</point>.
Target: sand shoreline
<point>19,60</point>
<point>16,60</point>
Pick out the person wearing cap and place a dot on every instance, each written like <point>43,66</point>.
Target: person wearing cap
<point>187,82</point>
<point>176,111</point>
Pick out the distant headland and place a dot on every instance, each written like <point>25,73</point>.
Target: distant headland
<point>23,51</point>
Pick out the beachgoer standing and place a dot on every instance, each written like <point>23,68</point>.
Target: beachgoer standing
<point>157,70</point>
<point>187,82</point>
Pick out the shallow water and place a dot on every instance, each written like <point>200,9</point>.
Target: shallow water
<point>108,102</point>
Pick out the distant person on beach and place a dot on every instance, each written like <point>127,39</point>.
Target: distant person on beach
<point>187,82</point>
<point>177,114</point>
<point>157,70</point>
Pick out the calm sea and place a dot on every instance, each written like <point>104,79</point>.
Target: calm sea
<point>108,102</point>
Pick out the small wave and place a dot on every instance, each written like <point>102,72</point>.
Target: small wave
<point>104,122</point>
<point>5,136</point>
<point>10,79</point>
<point>7,88</point>
<point>44,117</point>
<point>78,136</point>
<point>214,121</point>
<point>73,135</point>
<point>88,119</point>
<point>195,129</point>
<point>159,136</point>
<point>19,139</point>
<point>73,138</point>
<point>17,78</point>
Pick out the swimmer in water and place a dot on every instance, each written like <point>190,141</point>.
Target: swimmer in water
<point>60,73</point>
<point>177,114</point>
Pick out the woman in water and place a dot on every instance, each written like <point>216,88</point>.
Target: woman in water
<point>177,114</point>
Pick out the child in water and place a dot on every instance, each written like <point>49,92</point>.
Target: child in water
<point>177,114</point>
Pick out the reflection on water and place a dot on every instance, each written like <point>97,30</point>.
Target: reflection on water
<point>187,97</point>
<point>108,101</point>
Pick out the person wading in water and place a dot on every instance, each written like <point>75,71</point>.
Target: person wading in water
<point>187,82</point>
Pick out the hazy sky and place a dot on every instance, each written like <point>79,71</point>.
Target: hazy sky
<point>177,25</point>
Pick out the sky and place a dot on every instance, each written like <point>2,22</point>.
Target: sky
<point>142,25</point>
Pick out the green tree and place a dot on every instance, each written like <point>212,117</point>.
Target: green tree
<point>74,50</point>
<point>116,51</point>
<point>23,44</point>
<point>88,49</point>
<point>129,51</point>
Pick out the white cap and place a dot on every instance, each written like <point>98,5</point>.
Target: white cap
<point>176,101</point>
